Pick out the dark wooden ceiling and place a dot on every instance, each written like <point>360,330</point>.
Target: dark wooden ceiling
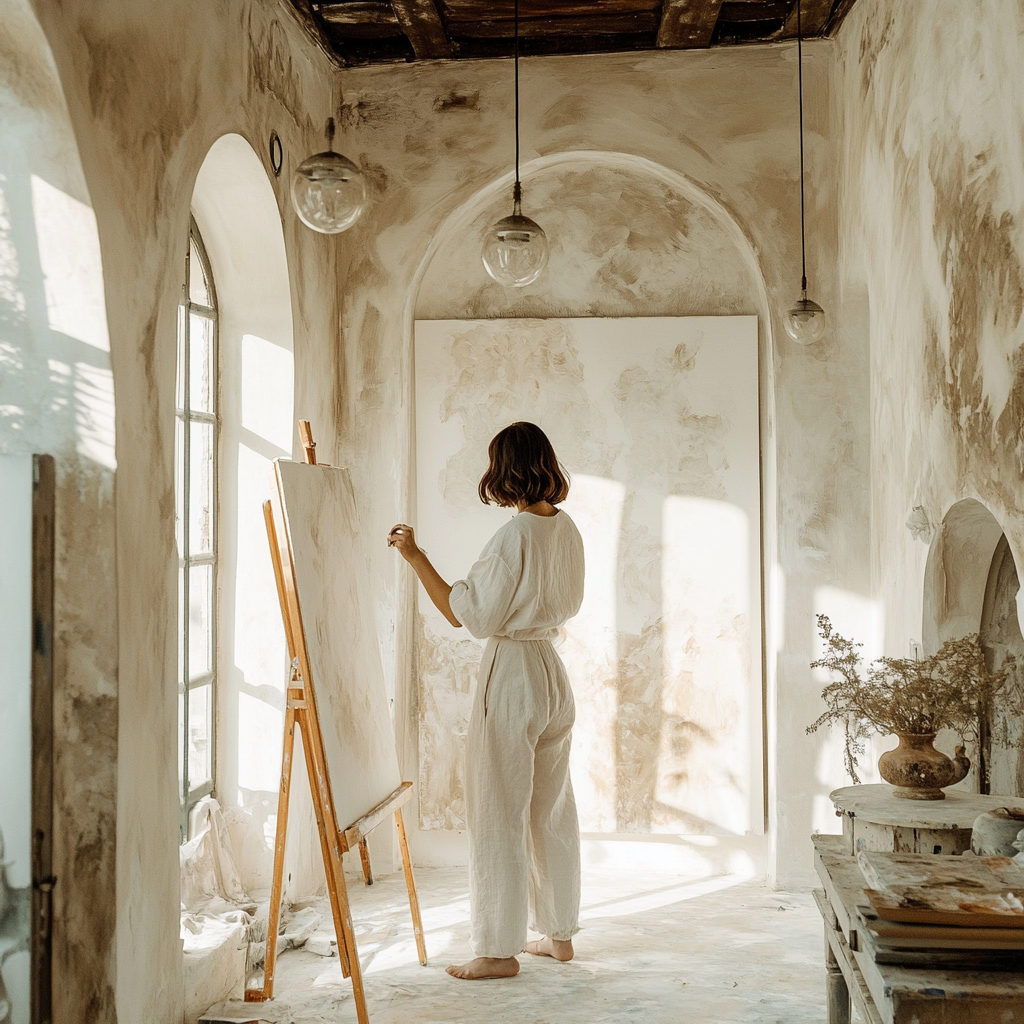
<point>382,31</point>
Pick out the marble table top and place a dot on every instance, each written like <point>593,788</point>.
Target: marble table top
<point>876,803</point>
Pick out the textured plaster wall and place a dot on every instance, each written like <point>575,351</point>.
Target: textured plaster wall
<point>624,243</point>
<point>150,87</point>
<point>56,397</point>
<point>929,103</point>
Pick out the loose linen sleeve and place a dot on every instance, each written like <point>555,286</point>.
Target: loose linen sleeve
<point>482,602</point>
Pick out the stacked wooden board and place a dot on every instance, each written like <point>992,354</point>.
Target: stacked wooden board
<point>932,910</point>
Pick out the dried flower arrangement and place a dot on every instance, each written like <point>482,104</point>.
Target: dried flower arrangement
<point>951,689</point>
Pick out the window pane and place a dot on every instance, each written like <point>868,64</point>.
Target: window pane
<point>200,620</point>
<point>195,530</point>
<point>200,339</point>
<point>179,486</point>
<point>200,735</point>
<point>181,744</point>
<point>179,381</point>
<point>198,291</point>
<point>201,484</point>
<point>181,626</point>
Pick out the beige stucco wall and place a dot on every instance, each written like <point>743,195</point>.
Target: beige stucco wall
<point>915,194</point>
<point>929,103</point>
<point>150,86</point>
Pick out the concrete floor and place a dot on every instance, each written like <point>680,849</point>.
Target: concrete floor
<point>655,949</point>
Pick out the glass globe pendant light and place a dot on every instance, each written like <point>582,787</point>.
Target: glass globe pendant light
<point>328,190</point>
<point>515,249</point>
<point>805,319</point>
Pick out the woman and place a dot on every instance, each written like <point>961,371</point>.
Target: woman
<point>524,841</point>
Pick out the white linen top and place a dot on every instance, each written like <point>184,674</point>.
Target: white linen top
<point>527,582</point>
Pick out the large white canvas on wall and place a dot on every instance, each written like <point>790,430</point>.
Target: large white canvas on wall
<point>332,583</point>
<point>657,421</point>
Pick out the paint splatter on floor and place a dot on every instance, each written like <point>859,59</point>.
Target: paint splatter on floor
<point>652,950</point>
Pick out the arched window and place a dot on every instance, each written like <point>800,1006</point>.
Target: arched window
<point>196,523</point>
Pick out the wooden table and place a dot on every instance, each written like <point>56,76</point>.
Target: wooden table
<point>874,819</point>
<point>890,994</point>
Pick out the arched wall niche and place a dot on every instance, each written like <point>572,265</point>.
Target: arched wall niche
<point>630,237</point>
<point>238,217</point>
<point>957,571</point>
<point>972,586</point>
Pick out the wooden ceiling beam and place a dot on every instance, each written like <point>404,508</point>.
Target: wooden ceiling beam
<point>538,28</point>
<point>383,31</point>
<point>814,15</point>
<point>687,24</point>
<point>421,22</point>
<point>501,10</point>
<point>359,12</point>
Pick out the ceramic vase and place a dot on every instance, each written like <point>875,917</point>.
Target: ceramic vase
<point>996,831</point>
<point>918,770</point>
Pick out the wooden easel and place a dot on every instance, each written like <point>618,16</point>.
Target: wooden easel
<point>301,712</point>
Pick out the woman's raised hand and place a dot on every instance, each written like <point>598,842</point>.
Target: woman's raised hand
<point>403,539</point>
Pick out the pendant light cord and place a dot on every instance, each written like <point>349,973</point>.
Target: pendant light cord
<point>518,190</point>
<point>800,92</point>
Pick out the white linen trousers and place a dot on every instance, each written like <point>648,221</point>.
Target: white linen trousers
<point>524,845</point>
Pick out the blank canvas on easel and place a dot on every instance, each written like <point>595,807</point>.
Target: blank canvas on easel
<point>330,569</point>
<point>336,700</point>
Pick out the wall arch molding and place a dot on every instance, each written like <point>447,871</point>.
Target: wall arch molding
<point>957,571</point>
<point>459,222</point>
<point>461,218</point>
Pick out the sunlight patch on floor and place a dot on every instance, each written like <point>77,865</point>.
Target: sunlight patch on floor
<point>652,950</point>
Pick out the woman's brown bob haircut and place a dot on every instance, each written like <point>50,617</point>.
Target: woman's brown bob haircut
<point>523,467</point>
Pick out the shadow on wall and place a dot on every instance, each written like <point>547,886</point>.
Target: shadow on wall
<point>821,759</point>
<point>55,377</point>
<point>57,397</point>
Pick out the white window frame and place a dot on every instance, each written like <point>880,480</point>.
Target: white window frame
<point>186,416</point>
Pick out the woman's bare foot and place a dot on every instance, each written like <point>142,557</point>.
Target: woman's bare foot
<point>557,948</point>
<point>484,967</point>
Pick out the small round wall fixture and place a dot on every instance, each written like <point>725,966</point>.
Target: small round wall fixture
<point>515,249</point>
<point>328,190</point>
<point>276,153</point>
